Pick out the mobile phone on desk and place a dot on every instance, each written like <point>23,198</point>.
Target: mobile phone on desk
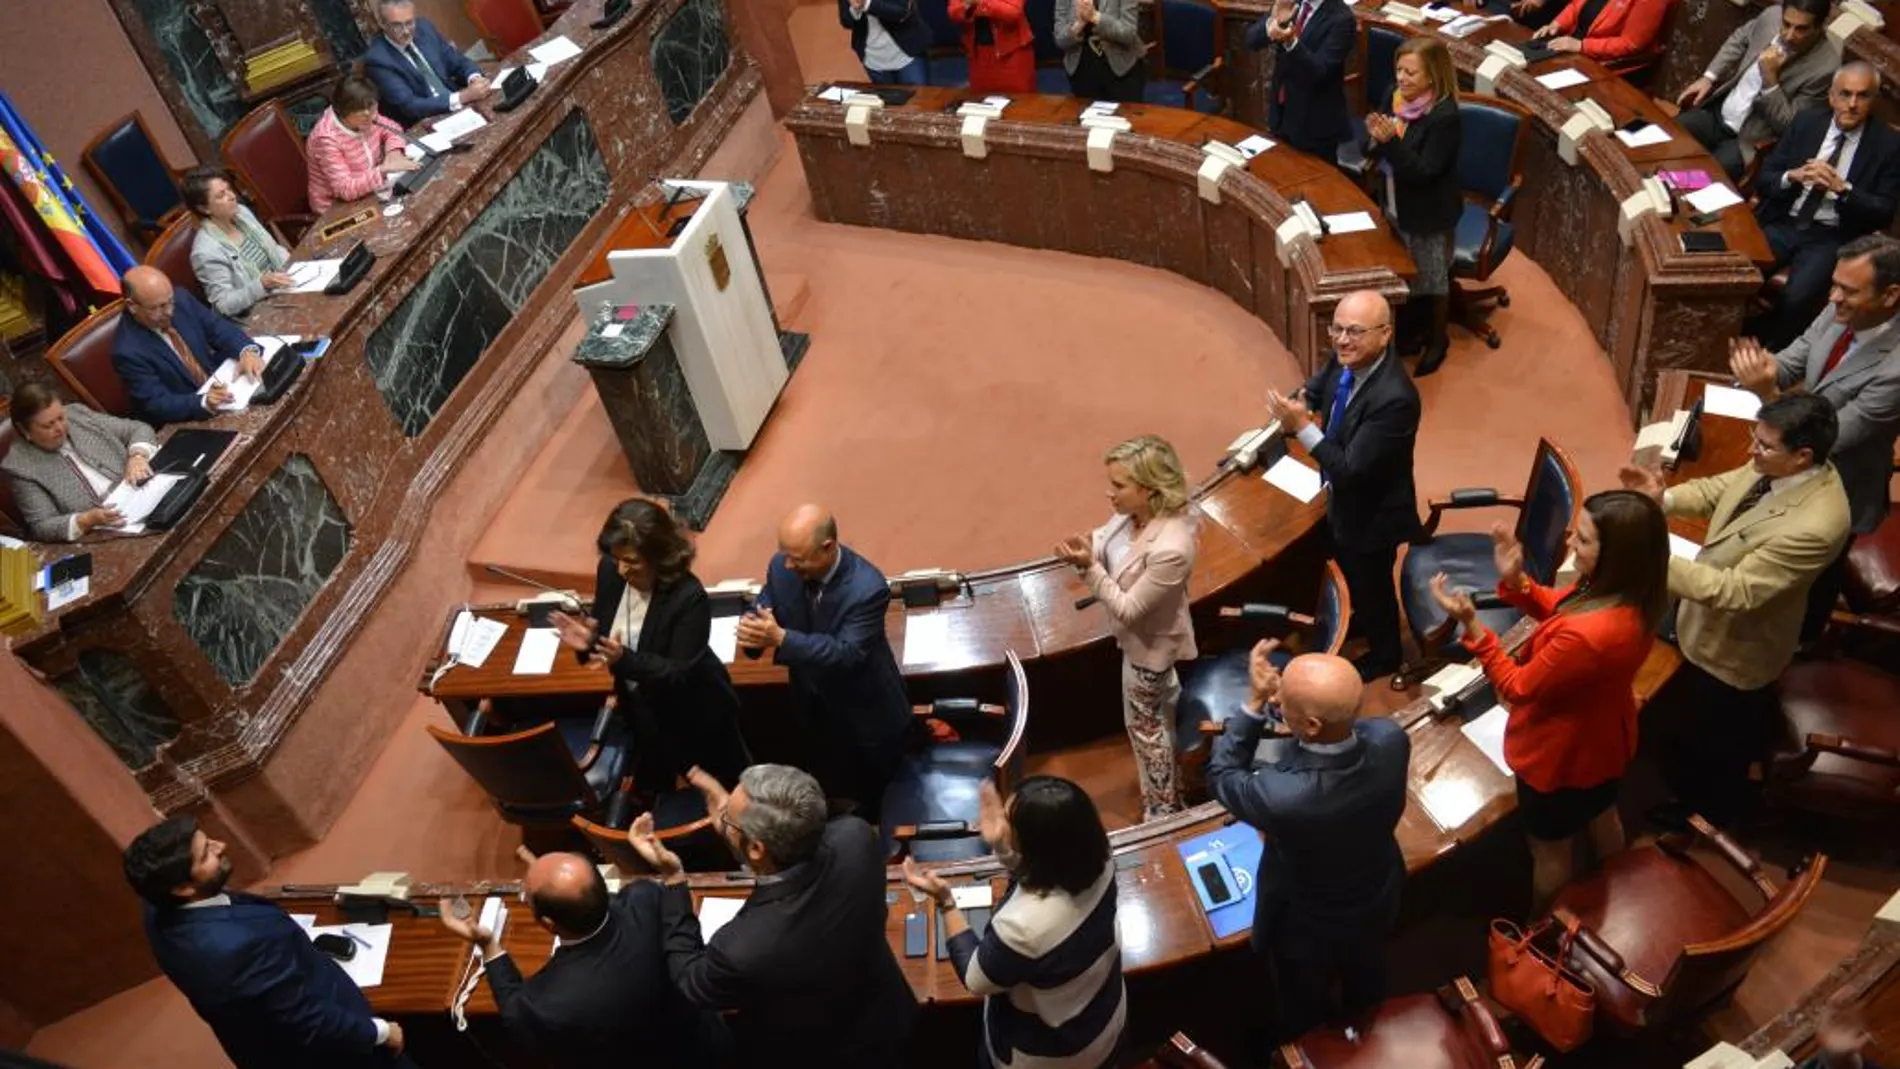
<point>916,935</point>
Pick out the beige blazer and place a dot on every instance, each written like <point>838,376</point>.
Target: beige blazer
<point>1147,597</point>
<point>1744,595</point>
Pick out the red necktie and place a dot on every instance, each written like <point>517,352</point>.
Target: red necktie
<point>1841,345</point>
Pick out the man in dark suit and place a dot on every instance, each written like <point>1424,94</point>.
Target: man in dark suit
<point>417,72</point>
<point>805,961</point>
<point>822,613</point>
<point>1328,887</point>
<point>272,998</point>
<point>1371,414</point>
<point>1306,96</point>
<point>1832,178</point>
<point>604,996</point>
<point>166,346</point>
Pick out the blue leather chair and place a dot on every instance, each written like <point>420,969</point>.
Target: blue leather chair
<point>126,162</point>
<point>946,65</point>
<point>1545,513</point>
<point>1378,50</point>
<point>1212,688</point>
<point>930,807</point>
<point>1191,46</point>
<point>542,777</point>
<point>1490,170</point>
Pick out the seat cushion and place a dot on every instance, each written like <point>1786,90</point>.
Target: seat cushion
<point>1854,701</point>
<point>1466,560</point>
<point>1647,905</point>
<point>935,783</point>
<point>604,775</point>
<point>1414,1031</point>
<point>1213,688</point>
<point>1873,569</point>
<point>1351,155</point>
<point>1469,241</point>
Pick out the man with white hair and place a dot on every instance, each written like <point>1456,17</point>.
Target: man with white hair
<point>416,70</point>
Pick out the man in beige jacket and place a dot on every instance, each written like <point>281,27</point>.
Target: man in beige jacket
<point>1774,525</point>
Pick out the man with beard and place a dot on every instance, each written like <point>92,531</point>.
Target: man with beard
<point>272,998</point>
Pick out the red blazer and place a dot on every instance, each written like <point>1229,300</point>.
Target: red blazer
<point>1570,693</point>
<point>1008,25</point>
<point>1625,28</point>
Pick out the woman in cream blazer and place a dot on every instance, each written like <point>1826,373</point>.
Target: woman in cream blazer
<point>1137,565</point>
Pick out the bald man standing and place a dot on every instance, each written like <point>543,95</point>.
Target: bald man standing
<point>168,344</point>
<point>822,614</point>
<point>604,997</point>
<point>1328,887</point>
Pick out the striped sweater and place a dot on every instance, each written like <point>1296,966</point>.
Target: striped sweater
<point>1049,970</point>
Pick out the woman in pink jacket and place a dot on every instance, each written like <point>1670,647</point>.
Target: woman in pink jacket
<point>353,150</point>
<point>1137,565</point>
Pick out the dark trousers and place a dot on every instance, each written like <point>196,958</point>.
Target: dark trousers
<point>912,73</point>
<point>1705,125</point>
<point>1310,992</point>
<point>1808,252</point>
<point>1094,79</point>
<point>1375,603</point>
<point>1714,731</point>
<point>1825,592</point>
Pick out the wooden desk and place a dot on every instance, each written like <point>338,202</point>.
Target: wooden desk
<point>1652,306</point>
<point>224,628</point>
<point>1867,981</point>
<point>1035,189</point>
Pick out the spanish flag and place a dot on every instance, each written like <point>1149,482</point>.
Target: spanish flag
<point>95,252</point>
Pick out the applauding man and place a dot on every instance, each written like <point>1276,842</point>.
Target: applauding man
<point>805,961</point>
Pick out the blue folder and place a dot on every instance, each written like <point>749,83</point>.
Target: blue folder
<point>1239,846</point>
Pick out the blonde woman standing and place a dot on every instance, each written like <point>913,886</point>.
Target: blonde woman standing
<point>1137,566</point>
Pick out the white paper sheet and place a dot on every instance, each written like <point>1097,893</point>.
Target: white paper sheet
<point>714,912</point>
<point>478,642</point>
<point>1466,25</point>
<point>372,949</point>
<point>926,638</point>
<point>996,101</point>
<point>242,386</point>
<point>1102,107</point>
<point>1350,222</point>
<point>1731,402</point>
<point>306,921</point>
<point>1659,435</point>
<point>1440,14</point>
<point>834,93</point>
<point>137,502</point>
<point>1254,144</point>
<point>559,50</point>
<point>1683,547</point>
<point>1712,198</point>
<point>724,639</point>
<point>65,594</point>
<point>311,276</point>
<point>1653,134</point>
<point>1563,79</point>
<point>456,125</point>
<point>1295,478</point>
<point>1487,733</point>
<point>538,647</point>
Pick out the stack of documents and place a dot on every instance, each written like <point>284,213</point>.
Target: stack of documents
<point>451,129</point>
<point>310,276</point>
<point>19,595</point>
<point>242,386</point>
<point>137,502</point>
<point>550,53</point>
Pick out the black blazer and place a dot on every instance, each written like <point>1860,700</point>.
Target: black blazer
<point>900,19</point>
<point>609,1000</point>
<point>1332,872</point>
<point>805,962</point>
<point>1874,174</point>
<point>840,657</point>
<point>271,997</point>
<point>1425,170</point>
<point>1312,77</point>
<point>1368,457</point>
<point>673,687</point>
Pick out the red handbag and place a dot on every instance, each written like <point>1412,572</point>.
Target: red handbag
<point>1559,1004</point>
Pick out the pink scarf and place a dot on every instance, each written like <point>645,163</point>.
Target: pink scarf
<point>1408,111</point>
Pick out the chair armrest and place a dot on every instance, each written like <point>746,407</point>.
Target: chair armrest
<point>618,812</point>
<point>1189,87</point>
<point>599,733</point>
<point>930,831</point>
<point>1501,208</point>
<point>1729,850</point>
<point>1183,1053</point>
<point>1471,498</point>
<point>1264,610</point>
<point>1217,727</point>
<point>958,707</point>
<point>1858,751</point>
<point>1880,624</point>
<point>477,721</point>
<point>1467,1003</point>
<point>1605,955</point>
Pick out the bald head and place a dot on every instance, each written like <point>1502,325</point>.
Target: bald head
<point>567,895</point>
<point>808,536</point>
<point>1319,694</point>
<point>1362,328</point>
<point>148,296</point>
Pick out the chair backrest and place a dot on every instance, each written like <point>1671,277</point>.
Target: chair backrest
<point>10,521</point>
<point>526,768</point>
<point>1706,970</point>
<point>266,154</point>
<point>945,36</point>
<point>1190,36</point>
<point>1490,155</point>
<point>126,162</point>
<point>1382,47</point>
<point>1333,615</point>
<point>82,358</point>
<point>506,25</point>
<point>1042,28</point>
<point>170,252</point>
<point>611,846</point>
<point>1550,510</point>
<point>1009,760</point>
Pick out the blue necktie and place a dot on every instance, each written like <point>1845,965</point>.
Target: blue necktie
<point>1342,395</point>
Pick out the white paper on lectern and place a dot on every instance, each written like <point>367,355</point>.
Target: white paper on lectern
<point>1487,733</point>
<point>727,346</point>
<point>1294,477</point>
<point>1731,402</point>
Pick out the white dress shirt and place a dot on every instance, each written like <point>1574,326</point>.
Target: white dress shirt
<point>881,50</point>
<point>1741,99</point>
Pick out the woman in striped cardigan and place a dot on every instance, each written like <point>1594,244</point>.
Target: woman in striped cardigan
<point>1049,968</point>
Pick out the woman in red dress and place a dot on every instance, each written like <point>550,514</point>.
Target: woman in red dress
<point>997,38</point>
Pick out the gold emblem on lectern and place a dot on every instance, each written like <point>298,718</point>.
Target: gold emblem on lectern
<point>716,258</point>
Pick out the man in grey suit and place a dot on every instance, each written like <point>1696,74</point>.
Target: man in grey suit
<point>66,459</point>
<point>1766,71</point>
<point>1849,355</point>
<point>1328,887</point>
